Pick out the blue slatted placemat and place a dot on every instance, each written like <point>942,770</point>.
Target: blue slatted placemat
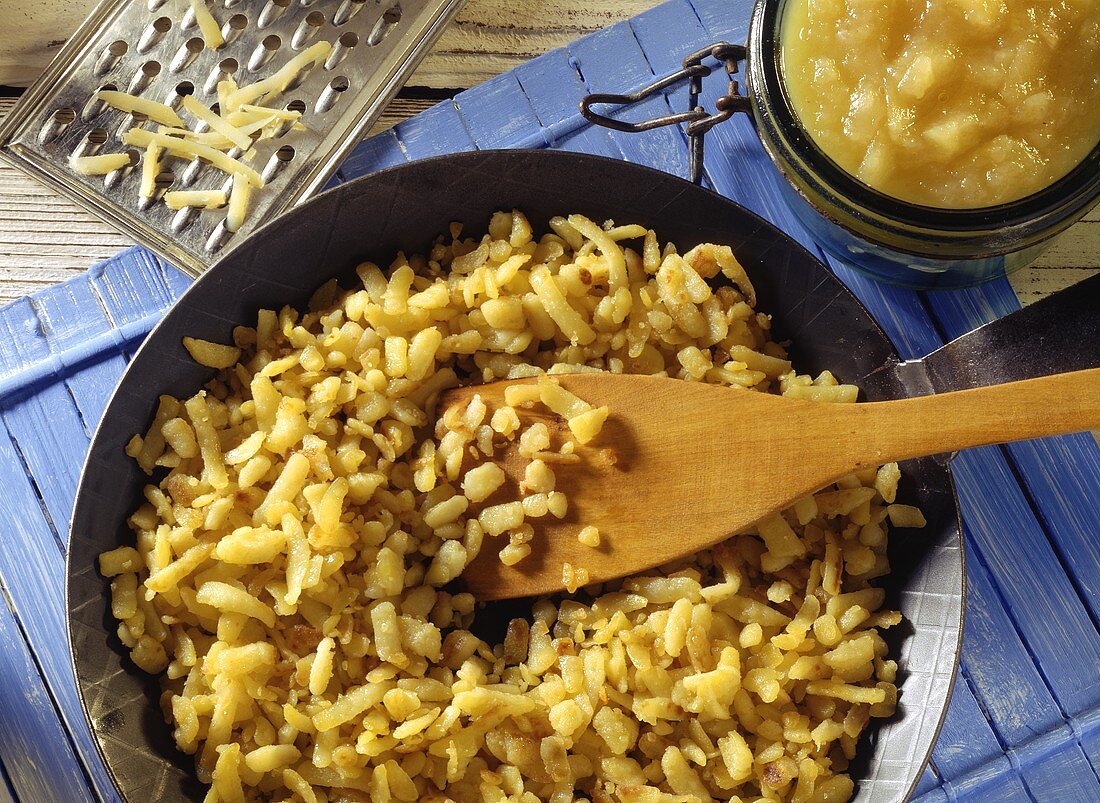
<point>1024,721</point>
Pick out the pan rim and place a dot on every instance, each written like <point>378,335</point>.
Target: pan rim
<point>448,159</point>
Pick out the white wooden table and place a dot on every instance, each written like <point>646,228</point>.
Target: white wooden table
<point>45,239</point>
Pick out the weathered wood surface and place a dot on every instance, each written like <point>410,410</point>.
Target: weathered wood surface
<point>1024,722</point>
<point>487,37</point>
<point>45,238</point>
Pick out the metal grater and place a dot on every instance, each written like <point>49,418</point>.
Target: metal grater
<point>153,48</point>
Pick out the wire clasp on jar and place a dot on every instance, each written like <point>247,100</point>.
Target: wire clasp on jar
<point>699,121</point>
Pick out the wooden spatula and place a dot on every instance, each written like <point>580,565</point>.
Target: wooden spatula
<point>680,466</point>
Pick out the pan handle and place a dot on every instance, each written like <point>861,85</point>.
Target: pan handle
<point>1061,333</point>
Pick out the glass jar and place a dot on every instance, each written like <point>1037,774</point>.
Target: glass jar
<point>893,240</point>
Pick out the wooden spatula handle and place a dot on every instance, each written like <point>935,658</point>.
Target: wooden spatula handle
<point>881,432</point>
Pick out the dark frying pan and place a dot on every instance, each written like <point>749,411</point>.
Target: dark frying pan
<point>404,208</point>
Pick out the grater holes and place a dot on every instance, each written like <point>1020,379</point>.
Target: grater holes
<point>154,5</point>
<point>56,124</point>
<point>277,163</point>
<point>153,33</point>
<point>218,238</point>
<point>336,87</point>
<point>143,77</point>
<point>222,70</point>
<point>296,105</point>
<point>178,93</point>
<point>192,172</point>
<point>381,29</point>
<point>286,125</point>
<point>188,21</point>
<point>271,12</point>
<point>264,52</point>
<point>110,57</point>
<point>93,105</point>
<point>307,30</point>
<point>184,218</point>
<point>163,180</point>
<point>347,40</point>
<point>91,143</point>
<point>233,27</point>
<point>347,10</point>
<point>134,120</point>
<point>186,53</point>
<point>112,179</point>
<point>296,81</point>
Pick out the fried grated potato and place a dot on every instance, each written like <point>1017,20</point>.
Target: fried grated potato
<point>291,572</point>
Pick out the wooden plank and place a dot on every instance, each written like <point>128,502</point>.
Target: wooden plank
<point>1010,540</point>
<point>976,769</point>
<point>931,794</point>
<point>437,131</point>
<point>929,780</point>
<point>45,238</point>
<point>490,36</point>
<point>41,425</point>
<point>135,286</point>
<point>666,147</point>
<point>32,572</point>
<point>40,763</point>
<point>1062,475</point>
<point>1014,695</point>
<point>994,652</point>
<point>554,87</point>
<point>966,741</point>
<point>373,154</point>
<point>497,114</point>
<point>487,37</point>
<point>90,384</point>
<point>39,487</point>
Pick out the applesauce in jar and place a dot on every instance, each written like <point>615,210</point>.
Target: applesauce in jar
<point>954,104</point>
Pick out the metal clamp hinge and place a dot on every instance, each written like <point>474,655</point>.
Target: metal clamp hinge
<point>699,121</point>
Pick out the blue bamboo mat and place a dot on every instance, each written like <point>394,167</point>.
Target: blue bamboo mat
<point>1024,721</point>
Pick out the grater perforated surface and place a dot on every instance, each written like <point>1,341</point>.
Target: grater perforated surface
<point>153,48</point>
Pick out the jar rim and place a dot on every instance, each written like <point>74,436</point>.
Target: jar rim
<point>1063,199</point>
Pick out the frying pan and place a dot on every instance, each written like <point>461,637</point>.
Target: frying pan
<point>403,208</point>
